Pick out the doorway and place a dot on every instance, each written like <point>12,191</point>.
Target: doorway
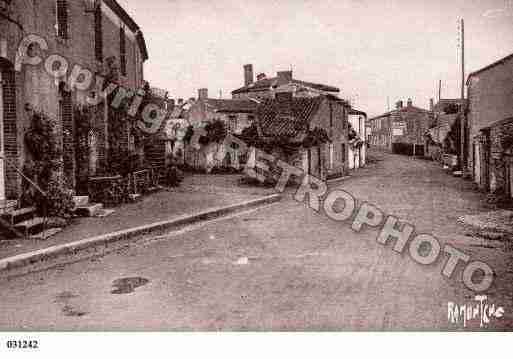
<point>2,147</point>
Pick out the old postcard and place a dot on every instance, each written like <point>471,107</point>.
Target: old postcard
<point>261,166</point>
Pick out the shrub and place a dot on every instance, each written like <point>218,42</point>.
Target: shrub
<point>58,201</point>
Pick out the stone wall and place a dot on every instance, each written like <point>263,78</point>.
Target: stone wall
<point>35,87</point>
<point>10,131</point>
<point>490,101</point>
<point>501,157</point>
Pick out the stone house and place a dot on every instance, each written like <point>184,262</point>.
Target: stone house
<point>93,36</point>
<point>294,118</point>
<point>284,81</point>
<point>488,126</point>
<point>446,114</point>
<point>236,115</point>
<point>401,130</point>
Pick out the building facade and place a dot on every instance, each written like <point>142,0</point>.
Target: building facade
<point>98,36</point>
<point>295,119</point>
<point>235,114</point>
<point>401,130</point>
<point>488,125</point>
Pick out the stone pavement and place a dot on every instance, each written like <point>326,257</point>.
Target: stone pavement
<point>198,192</point>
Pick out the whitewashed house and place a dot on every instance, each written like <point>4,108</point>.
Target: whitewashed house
<point>357,140</point>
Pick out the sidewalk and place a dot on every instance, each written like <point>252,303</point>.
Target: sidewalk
<point>197,193</point>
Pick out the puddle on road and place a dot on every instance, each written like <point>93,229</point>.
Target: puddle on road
<point>69,311</point>
<point>128,285</point>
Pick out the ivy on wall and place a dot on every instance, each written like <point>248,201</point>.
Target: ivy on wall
<point>45,168</point>
<point>215,133</point>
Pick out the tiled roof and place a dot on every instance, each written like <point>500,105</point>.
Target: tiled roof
<point>440,106</point>
<point>404,109</point>
<point>357,112</point>
<point>275,82</point>
<point>158,92</point>
<point>273,121</point>
<point>232,106</point>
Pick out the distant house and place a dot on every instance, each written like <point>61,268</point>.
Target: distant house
<point>236,115</point>
<point>295,119</point>
<point>401,130</point>
<point>357,154</point>
<point>264,87</point>
<point>448,106</point>
<point>489,126</point>
<point>446,115</point>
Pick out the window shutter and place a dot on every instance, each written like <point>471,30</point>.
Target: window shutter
<point>62,19</point>
<point>122,50</point>
<point>98,33</point>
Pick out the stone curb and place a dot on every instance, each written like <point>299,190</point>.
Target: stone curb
<point>42,255</point>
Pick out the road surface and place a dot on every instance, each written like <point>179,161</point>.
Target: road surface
<point>281,268</point>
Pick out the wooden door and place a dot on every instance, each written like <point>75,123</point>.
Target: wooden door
<point>2,161</point>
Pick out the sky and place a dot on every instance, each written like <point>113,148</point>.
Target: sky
<point>376,51</point>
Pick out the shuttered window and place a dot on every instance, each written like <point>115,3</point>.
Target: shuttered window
<point>98,33</point>
<point>62,19</point>
<point>122,50</point>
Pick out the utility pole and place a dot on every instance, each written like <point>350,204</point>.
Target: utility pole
<point>462,107</point>
<point>439,90</point>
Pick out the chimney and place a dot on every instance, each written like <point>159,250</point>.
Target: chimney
<point>399,105</point>
<point>261,76</point>
<point>431,105</point>
<point>410,102</point>
<point>284,77</point>
<point>284,100</point>
<point>248,75</point>
<point>203,94</point>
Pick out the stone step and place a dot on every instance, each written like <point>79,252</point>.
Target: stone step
<point>31,226</point>
<point>7,206</point>
<point>154,189</point>
<point>81,201</point>
<point>89,210</point>
<point>20,215</point>
<point>134,197</point>
<point>43,236</point>
<point>105,213</point>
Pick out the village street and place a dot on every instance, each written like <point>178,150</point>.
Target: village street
<point>283,267</point>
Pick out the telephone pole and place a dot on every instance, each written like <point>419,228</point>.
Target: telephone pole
<point>462,107</point>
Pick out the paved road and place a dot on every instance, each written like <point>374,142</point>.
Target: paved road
<point>279,268</point>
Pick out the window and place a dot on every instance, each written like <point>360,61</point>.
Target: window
<point>122,50</point>
<point>343,154</point>
<point>232,124</point>
<point>98,33</point>
<point>62,18</point>
<point>331,114</point>
<point>332,155</point>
